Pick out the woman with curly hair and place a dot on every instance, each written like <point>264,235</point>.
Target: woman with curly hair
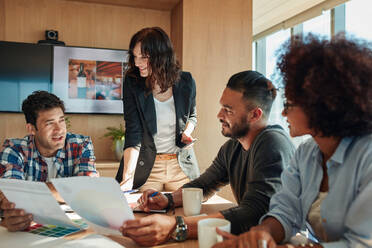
<point>160,115</point>
<point>328,185</point>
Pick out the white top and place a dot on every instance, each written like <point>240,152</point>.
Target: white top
<point>165,138</point>
<point>52,169</point>
<point>315,218</point>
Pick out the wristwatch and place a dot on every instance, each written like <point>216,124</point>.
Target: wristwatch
<point>180,233</point>
<point>170,202</point>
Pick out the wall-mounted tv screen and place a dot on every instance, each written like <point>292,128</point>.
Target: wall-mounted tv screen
<point>24,68</point>
<point>88,80</point>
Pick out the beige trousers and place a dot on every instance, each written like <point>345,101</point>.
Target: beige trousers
<point>166,175</point>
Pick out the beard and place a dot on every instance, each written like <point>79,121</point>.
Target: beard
<point>237,130</point>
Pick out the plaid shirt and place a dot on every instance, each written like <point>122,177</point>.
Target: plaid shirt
<point>20,159</point>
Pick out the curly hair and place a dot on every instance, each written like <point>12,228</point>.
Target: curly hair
<point>331,80</point>
<point>39,101</point>
<point>155,44</point>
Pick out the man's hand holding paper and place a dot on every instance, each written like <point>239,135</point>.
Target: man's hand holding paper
<point>13,219</point>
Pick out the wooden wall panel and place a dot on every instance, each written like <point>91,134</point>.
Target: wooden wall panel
<point>177,30</point>
<point>146,4</point>
<point>2,19</point>
<point>12,125</point>
<point>78,23</point>
<point>95,127</point>
<point>216,44</point>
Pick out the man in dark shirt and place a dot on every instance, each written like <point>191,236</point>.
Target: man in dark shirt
<point>251,161</point>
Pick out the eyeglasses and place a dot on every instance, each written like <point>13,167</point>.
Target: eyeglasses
<point>287,105</point>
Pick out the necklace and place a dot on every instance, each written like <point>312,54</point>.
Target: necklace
<point>162,96</point>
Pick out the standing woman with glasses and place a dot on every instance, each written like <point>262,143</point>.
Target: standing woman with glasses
<point>159,114</point>
<point>328,185</point>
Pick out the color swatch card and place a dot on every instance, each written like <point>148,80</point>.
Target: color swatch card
<point>51,230</point>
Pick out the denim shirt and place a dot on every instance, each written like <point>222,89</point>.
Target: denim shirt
<point>347,210</point>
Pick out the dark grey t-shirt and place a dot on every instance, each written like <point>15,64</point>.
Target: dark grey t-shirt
<point>254,175</point>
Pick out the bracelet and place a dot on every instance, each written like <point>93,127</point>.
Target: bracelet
<point>309,245</point>
<point>170,202</point>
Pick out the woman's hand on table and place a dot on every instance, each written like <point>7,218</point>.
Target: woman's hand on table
<point>150,230</point>
<point>251,239</point>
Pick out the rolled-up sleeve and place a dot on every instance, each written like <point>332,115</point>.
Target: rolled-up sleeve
<point>193,114</point>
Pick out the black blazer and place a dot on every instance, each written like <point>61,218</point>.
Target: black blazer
<point>140,124</point>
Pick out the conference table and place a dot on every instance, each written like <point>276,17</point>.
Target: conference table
<point>212,205</point>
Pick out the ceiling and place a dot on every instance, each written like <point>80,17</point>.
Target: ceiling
<point>166,5</point>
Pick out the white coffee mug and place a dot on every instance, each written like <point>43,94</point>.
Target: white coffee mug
<point>192,199</point>
<point>207,235</point>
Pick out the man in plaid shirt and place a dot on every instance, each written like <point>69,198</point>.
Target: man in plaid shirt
<point>47,152</point>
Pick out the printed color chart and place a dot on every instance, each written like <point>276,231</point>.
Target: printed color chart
<point>56,231</point>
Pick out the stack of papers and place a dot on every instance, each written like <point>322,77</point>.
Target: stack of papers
<point>98,200</point>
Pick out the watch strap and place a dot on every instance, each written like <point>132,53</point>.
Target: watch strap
<point>179,221</point>
<point>170,202</point>
<point>1,215</point>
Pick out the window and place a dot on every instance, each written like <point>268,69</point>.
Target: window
<point>319,25</point>
<point>354,17</point>
<point>358,18</point>
<point>253,55</point>
<point>273,43</point>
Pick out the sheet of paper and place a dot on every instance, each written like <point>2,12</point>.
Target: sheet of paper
<point>90,241</point>
<point>26,240</point>
<point>132,198</point>
<point>35,198</point>
<point>99,200</point>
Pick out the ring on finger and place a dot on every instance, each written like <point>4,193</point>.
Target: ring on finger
<point>262,243</point>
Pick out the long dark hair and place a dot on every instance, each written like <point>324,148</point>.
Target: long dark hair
<point>155,44</point>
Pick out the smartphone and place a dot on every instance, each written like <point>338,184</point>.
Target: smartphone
<point>160,211</point>
<point>190,144</point>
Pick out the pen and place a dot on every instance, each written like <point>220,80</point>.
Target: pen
<point>130,191</point>
<point>153,194</point>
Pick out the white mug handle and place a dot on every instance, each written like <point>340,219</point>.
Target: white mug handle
<point>219,238</point>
